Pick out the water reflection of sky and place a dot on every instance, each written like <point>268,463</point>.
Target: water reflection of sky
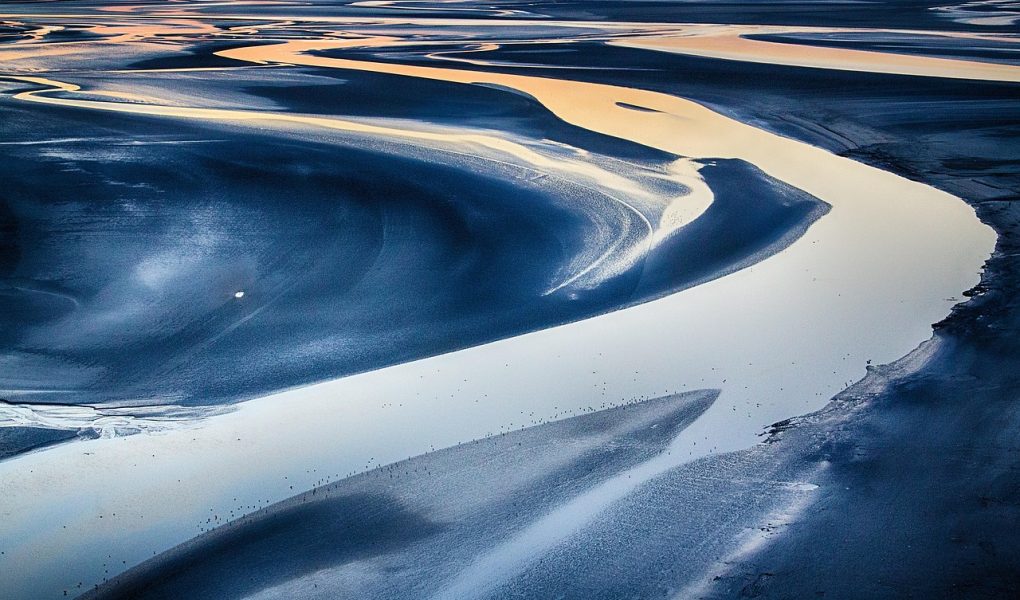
<point>778,338</point>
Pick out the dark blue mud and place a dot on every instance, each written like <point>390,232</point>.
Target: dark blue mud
<point>963,136</point>
<point>918,45</point>
<point>405,527</point>
<point>125,247</point>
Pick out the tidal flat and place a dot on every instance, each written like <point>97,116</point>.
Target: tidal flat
<point>399,299</point>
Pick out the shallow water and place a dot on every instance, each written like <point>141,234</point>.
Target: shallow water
<point>413,237</point>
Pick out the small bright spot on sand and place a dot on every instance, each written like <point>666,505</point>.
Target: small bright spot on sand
<point>239,294</point>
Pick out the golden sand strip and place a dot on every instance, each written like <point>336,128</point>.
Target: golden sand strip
<point>492,142</point>
<point>722,41</point>
<point>616,186</point>
<point>653,119</point>
<point>728,43</point>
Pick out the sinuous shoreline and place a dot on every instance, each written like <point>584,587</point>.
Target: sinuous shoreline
<point>775,336</point>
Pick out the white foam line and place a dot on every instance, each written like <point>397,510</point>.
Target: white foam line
<point>108,422</point>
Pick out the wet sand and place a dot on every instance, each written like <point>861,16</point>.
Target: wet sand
<point>735,43</point>
<point>698,338</point>
<point>408,525</point>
